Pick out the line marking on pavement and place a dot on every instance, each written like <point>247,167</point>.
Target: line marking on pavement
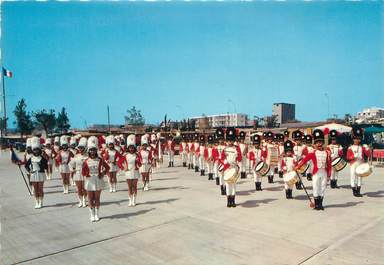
<point>343,240</point>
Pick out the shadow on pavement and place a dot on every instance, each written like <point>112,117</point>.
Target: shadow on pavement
<point>278,188</point>
<point>343,205</point>
<point>127,215</point>
<point>255,203</point>
<point>60,204</point>
<point>376,194</point>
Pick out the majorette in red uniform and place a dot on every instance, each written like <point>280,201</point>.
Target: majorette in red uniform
<point>200,155</point>
<point>146,161</point>
<point>50,155</point>
<point>196,146</point>
<point>183,150</point>
<point>244,150</point>
<point>63,158</point>
<point>170,147</point>
<point>230,157</point>
<point>322,167</point>
<point>190,151</point>
<point>76,166</point>
<point>356,155</point>
<point>209,158</point>
<point>217,151</point>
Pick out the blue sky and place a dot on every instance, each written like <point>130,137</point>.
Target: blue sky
<point>157,56</point>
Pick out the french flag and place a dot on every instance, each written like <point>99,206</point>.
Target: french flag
<point>7,73</point>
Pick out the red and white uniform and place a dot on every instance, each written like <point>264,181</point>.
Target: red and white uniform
<point>196,146</point>
<point>336,152</point>
<point>216,153</point>
<point>288,164</point>
<point>130,163</point>
<point>322,167</point>
<point>209,160</point>
<point>230,157</point>
<point>62,159</point>
<point>355,156</point>
<point>243,163</point>
<point>200,155</point>
<point>255,156</point>
<point>92,170</point>
<point>146,161</point>
<point>76,165</point>
<point>190,152</point>
<point>111,157</point>
<point>171,150</point>
<point>183,148</point>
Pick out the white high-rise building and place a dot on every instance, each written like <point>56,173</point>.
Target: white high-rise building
<point>223,120</point>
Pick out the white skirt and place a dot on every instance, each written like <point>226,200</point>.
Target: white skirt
<point>132,174</point>
<point>50,161</point>
<point>78,176</point>
<point>145,168</point>
<point>37,177</point>
<point>112,167</point>
<point>64,168</point>
<point>94,183</point>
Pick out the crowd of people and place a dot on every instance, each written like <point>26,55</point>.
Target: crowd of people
<point>224,156</point>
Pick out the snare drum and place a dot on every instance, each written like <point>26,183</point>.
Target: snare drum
<point>231,174</point>
<point>303,168</point>
<point>262,168</point>
<point>339,164</point>
<point>363,170</point>
<point>291,178</point>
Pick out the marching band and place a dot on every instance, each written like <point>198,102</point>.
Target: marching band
<point>225,156</point>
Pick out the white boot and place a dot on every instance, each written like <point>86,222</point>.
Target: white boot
<point>110,187</point>
<point>130,200</point>
<point>134,200</point>
<point>114,187</point>
<point>32,190</point>
<point>92,210</point>
<point>63,188</point>
<point>73,182</point>
<point>41,202</point>
<point>66,189</point>
<point>80,202</point>
<point>97,214</point>
<point>36,203</point>
<point>84,202</point>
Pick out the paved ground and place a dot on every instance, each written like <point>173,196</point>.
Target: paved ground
<point>183,220</point>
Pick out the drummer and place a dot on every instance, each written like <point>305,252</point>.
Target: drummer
<point>208,157</point>
<point>217,152</point>
<point>336,152</point>
<point>200,154</point>
<point>183,150</point>
<point>230,156</point>
<point>288,163</point>
<point>298,150</point>
<point>309,148</point>
<point>322,168</point>
<point>244,151</point>
<point>356,155</point>
<point>255,156</point>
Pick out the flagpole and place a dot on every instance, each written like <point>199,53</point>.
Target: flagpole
<point>5,109</point>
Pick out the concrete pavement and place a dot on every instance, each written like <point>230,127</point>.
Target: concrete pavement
<point>182,219</point>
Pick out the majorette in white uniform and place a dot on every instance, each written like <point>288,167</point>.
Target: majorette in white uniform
<point>288,164</point>
<point>200,154</point>
<point>356,154</point>
<point>244,150</point>
<point>146,161</point>
<point>183,148</point>
<point>36,166</point>
<point>208,157</point>
<point>322,166</point>
<point>76,166</point>
<point>255,156</point>
<point>56,148</point>
<point>230,157</point>
<point>170,147</point>
<point>111,155</point>
<point>336,152</point>
<point>130,163</point>
<point>94,169</point>
<point>62,159</point>
<point>50,155</point>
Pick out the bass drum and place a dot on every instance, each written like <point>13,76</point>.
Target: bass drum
<point>231,174</point>
<point>262,168</point>
<point>339,164</point>
<point>363,170</point>
<point>291,178</point>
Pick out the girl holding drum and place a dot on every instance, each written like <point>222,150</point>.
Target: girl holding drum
<point>336,152</point>
<point>256,155</point>
<point>288,163</point>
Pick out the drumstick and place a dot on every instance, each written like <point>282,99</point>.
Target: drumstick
<point>311,204</point>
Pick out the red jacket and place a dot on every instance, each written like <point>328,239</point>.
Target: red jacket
<point>312,156</point>
<point>123,160</point>
<point>239,158</point>
<point>105,156</point>
<point>351,157</point>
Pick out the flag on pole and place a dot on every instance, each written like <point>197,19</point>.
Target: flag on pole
<point>7,73</point>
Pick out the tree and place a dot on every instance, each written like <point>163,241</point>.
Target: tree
<point>45,120</point>
<point>134,117</point>
<point>62,121</point>
<point>23,122</point>
<point>3,125</point>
